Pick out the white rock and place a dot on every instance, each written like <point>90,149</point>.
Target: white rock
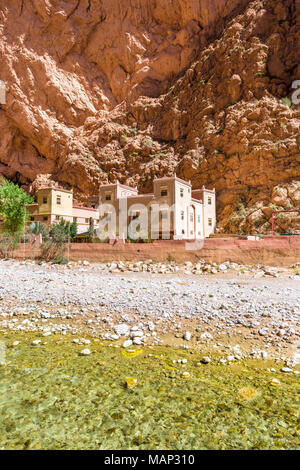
<point>206,360</point>
<point>187,335</point>
<point>85,352</point>
<point>222,267</point>
<point>122,329</point>
<point>85,341</point>
<point>137,334</point>
<point>127,343</point>
<point>36,342</point>
<point>137,341</point>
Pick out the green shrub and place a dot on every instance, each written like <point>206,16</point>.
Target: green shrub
<point>60,259</point>
<point>287,101</point>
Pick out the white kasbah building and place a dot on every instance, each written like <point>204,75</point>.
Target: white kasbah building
<point>173,211</point>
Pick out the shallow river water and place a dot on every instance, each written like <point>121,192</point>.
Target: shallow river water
<point>51,397</point>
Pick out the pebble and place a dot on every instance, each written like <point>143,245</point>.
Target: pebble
<point>206,360</point>
<point>187,335</point>
<point>85,352</point>
<point>275,382</point>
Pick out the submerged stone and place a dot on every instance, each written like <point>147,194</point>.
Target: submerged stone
<point>131,382</point>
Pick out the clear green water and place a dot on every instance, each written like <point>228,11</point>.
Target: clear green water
<point>53,398</point>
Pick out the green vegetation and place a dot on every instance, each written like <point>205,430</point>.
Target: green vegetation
<point>287,102</point>
<point>219,131</point>
<point>38,228</point>
<point>100,170</point>
<point>8,244</point>
<point>153,155</point>
<point>53,247</point>
<point>60,259</point>
<point>63,230</point>
<point>51,397</point>
<point>241,209</point>
<point>91,233</point>
<point>12,207</point>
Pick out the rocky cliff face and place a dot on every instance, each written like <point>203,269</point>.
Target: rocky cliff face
<point>102,89</point>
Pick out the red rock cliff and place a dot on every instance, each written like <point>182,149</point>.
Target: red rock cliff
<point>106,89</point>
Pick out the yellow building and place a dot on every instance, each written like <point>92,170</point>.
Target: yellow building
<point>54,204</point>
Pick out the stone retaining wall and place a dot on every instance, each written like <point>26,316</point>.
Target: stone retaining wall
<point>280,251</point>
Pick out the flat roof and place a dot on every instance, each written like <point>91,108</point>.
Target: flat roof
<point>118,184</point>
<point>55,189</point>
<point>166,178</point>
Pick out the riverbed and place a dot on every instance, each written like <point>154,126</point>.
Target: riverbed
<point>149,397</point>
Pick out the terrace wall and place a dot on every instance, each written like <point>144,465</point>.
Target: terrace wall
<point>280,251</point>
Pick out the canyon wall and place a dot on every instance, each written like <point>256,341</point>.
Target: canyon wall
<point>99,90</point>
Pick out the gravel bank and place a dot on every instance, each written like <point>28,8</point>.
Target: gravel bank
<point>235,316</point>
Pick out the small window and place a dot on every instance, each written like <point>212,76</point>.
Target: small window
<point>209,201</point>
<point>210,222</point>
<point>32,219</point>
<point>108,197</point>
<point>182,215</point>
<point>164,215</point>
<point>86,221</point>
<point>164,192</point>
<point>58,200</point>
<point>45,200</point>
<point>45,217</point>
<point>183,232</point>
<point>74,219</point>
<point>181,192</point>
<point>57,217</point>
